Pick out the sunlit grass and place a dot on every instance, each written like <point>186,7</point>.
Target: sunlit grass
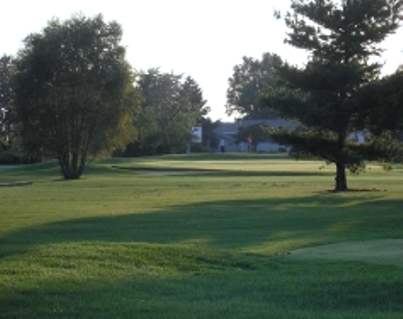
<point>122,244</point>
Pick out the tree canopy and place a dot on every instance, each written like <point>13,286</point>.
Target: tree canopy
<point>253,135</point>
<point>6,100</point>
<point>249,79</point>
<point>171,105</point>
<point>74,93</point>
<point>330,96</point>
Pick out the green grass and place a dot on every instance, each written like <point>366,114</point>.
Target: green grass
<point>121,244</point>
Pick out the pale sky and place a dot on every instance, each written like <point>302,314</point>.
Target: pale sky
<point>201,38</point>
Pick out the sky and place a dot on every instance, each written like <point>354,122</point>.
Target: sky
<point>203,39</point>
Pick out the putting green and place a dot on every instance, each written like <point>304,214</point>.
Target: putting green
<point>383,251</point>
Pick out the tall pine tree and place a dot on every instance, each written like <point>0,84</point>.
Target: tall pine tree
<point>326,96</point>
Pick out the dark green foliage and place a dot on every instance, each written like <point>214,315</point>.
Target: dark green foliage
<point>383,103</point>
<point>338,93</point>
<point>209,138</point>
<point>248,80</point>
<point>253,134</point>
<point>6,100</point>
<point>12,156</point>
<point>74,92</point>
<point>171,105</point>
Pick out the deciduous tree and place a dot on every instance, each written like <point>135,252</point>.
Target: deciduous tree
<point>171,106</point>
<point>247,82</point>
<point>74,91</point>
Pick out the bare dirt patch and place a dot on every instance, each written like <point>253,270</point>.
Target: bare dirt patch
<point>383,251</point>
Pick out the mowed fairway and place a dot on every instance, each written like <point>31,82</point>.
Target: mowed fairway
<point>215,236</point>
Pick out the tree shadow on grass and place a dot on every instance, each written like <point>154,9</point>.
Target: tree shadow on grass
<point>217,172</point>
<point>52,169</point>
<point>231,288</point>
<point>274,225</point>
<point>290,291</point>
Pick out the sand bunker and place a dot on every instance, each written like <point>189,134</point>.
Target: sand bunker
<point>383,251</point>
<point>168,172</point>
<point>159,171</point>
<point>17,183</point>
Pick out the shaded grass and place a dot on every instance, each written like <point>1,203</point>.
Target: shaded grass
<point>118,244</point>
<point>264,226</point>
<point>136,281</point>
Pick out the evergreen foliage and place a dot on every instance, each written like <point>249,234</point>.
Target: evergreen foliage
<point>331,96</point>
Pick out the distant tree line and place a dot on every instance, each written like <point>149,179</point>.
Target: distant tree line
<point>170,106</point>
<point>70,94</point>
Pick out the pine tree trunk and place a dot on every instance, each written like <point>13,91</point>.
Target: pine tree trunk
<point>341,180</point>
